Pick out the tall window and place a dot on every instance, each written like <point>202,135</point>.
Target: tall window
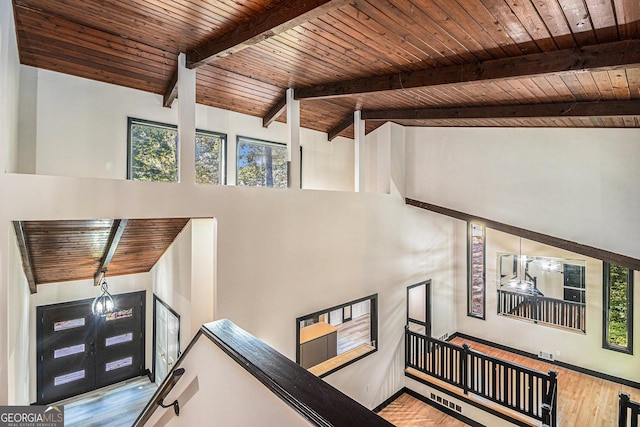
<point>476,270</point>
<point>261,163</point>
<point>618,308</point>
<point>210,157</point>
<point>153,153</point>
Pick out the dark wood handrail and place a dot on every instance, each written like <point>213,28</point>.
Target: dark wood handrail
<point>310,396</point>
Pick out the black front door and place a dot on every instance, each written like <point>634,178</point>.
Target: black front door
<point>79,352</point>
<point>120,341</point>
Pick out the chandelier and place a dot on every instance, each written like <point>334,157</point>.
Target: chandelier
<point>103,304</point>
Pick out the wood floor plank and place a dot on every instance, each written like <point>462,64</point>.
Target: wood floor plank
<point>407,411</point>
<point>116,405</point>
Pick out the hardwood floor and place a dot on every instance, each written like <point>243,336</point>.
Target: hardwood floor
<point>353,333</point>
<point>583,400</point>
<point>117,405</point>
<point>407,411</point>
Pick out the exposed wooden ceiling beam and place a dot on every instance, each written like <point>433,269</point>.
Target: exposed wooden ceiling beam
<point>24,254</point>
<point>566,109</point>
<point>285,16</point>
<point>275,112</point>
<point>608,56</point>
<point>171,93</point>
<point>117,229</point>
<point>579,248</point>
<point>344,124</point>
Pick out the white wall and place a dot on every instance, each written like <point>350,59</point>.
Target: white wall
<point>9,84</point>
<point>221,393</point>
<point>18,327</point>
<point>184,279</point>
<point>578,184</point>
<point>27,121</point>
<point>578,349</point>
<point>315,250</point>
<point>203,271</point>
<point>9,81</point>
<point>385,165</point>
<point>398,162</point>
<point>377,154</point>
<point>281,254</point>
<point>171,281</point>
<point>88,138</point>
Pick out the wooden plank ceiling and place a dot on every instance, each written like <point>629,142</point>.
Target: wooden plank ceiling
<point>60,251</point>
<point>559,56</point>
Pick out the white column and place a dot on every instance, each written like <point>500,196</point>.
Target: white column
<point>358,144</point>
<point>293,139</point>
<point>186,121</point>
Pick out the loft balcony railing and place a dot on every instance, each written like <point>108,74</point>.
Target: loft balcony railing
<point>539,309</point>
<point>628,411</point>
<point>525,390</point>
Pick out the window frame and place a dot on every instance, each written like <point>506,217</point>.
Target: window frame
<point>606,281</point>
<point>223,154</point>
<point>130,122</point>
<point>373,319</point>
<point>265,142</point>
<point>470,312</point>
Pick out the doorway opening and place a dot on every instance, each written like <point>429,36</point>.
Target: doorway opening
<point>166,339</point>
<point>419,307</point>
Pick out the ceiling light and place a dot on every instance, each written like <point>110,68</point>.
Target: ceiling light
<point>103,304</point>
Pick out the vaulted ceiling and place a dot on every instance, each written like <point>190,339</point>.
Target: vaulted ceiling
<point>543,63</point>
<point>61,251</point>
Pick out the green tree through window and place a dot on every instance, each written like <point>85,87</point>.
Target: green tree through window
<point>153,149</point>
<point>209,158</point>
<point>618,295</point>
<point>261,164</point>
<point>153,152</point>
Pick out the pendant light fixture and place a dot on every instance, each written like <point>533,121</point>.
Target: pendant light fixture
<point>520,282</point>
<point>103,304</point>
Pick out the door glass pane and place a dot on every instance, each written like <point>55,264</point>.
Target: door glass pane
<point>173,347</point>
<point>68,324</point>
<point>67,351</point>
<point>67,378</point>
<point>117,364</point>
<point>119,339</point>
<point>121,314</point>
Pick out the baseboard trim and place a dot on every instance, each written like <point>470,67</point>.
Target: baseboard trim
<point>565,365</point>
<point>444,409</point>
<point>467,401</point>
<point>386,403</point>
<point>429,402</point>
